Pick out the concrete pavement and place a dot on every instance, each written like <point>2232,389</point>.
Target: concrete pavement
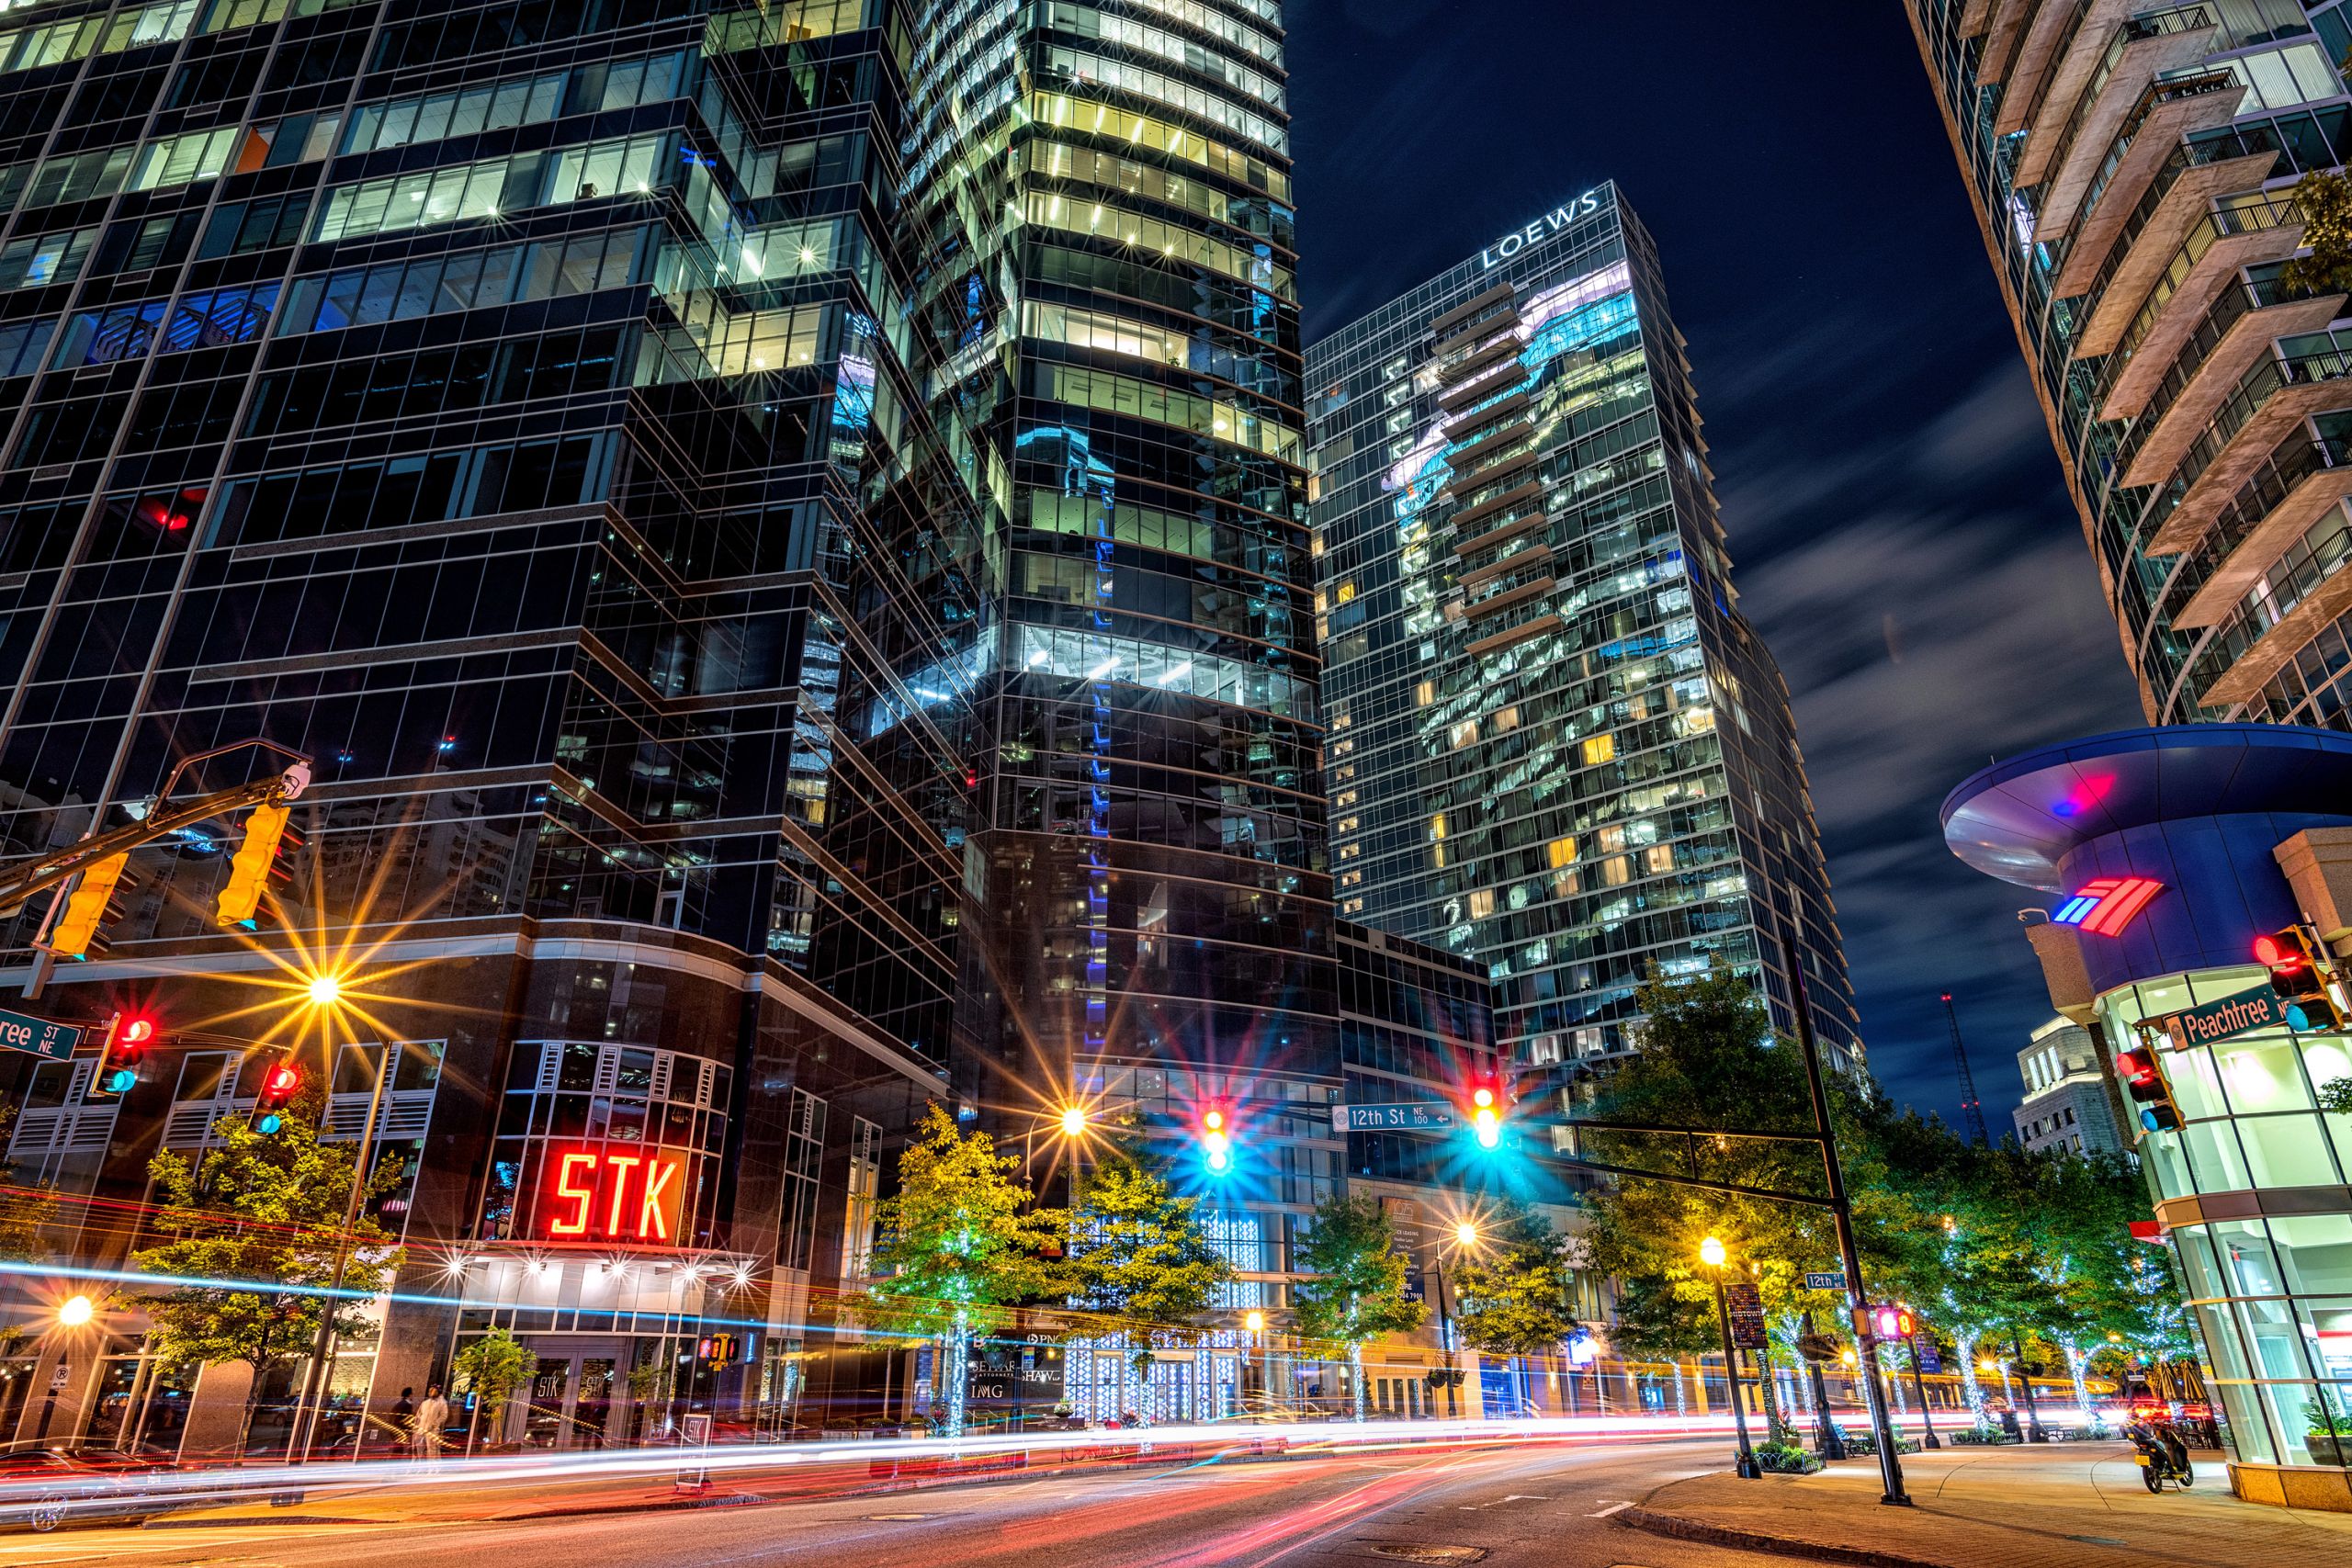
<point>2058,1507</point>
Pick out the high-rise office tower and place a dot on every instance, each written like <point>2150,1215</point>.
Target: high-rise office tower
<point>1556,746</point>
<point>2135,170</point>
<point>510,407</point>
<point>1108,190</point>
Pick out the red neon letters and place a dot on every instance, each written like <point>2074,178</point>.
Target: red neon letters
<point>607,1195</point>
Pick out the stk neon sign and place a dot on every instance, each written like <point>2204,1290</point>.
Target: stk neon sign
<point>609,1195</point>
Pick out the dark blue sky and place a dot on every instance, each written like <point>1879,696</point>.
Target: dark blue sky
<point>1894,503</point>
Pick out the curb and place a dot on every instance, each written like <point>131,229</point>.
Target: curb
<point>1641,1519</point>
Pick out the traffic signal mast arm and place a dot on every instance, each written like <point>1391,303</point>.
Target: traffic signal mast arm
<point>25,882</point>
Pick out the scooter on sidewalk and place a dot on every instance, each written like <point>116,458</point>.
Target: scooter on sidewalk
<point>2160,1452</point>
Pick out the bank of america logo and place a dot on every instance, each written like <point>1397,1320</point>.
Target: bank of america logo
<point>2106,905</point>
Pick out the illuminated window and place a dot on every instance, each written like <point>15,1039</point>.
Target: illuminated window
<point>1437,826</point>
<point>1659,857</point>
<point>1425,694</point>
<point>1347,592</point>
<point>1563,852</point>
<point>1463,733</point>
<point>1507,718</point>
<point>1482,904</point>
<point>1599,749</point>
<point>1617,870</point>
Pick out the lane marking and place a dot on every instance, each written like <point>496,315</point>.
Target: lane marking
<point>1613,1509</point>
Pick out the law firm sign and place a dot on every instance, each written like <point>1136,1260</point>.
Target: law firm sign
<point>2257,1007</point>
<point>1539,230</point>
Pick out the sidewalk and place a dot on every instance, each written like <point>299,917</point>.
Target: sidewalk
<point>2076,1506</point>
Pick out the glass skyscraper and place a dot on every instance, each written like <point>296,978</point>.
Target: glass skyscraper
<point>2133,167</point>
<point>781,526</point>
<point>1557,747</point>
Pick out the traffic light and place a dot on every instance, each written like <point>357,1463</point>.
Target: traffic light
<point>86,907</point>
<point>1217,1141</point>
<point>2303,974</point>
<point>122,1060</point>
<point>256,858</point>
<point>2143,1080</point>
<point>280,1082</point>
<point>1487,1111</point>
<point>721,1349</point>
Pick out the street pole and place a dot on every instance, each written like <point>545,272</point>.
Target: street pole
<point>298,1445</point>
<point>1748,1467</point>
<point>1445,1338</point>
<point>1919,1383</point>
<point>1890,1464</point>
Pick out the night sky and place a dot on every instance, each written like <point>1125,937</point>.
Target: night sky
<point>1896,518</point>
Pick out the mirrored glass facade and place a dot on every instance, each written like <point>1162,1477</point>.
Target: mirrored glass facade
<point>1557,749</point>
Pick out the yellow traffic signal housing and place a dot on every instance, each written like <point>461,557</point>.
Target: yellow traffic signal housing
<point>86,908</point>
<point>249,869</point>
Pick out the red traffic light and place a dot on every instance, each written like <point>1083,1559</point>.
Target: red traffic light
<point>137,1030</point>
<point>1216,1144</point>
<point>2281,957</point>
<point>2137,1067</point>
<point>279,1083</point>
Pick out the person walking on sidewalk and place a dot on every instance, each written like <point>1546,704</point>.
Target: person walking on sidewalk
<point>432,1420</point>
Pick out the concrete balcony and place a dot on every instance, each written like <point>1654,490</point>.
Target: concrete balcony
<point>2300,391</point>
<point>1534,555</point>
<point>2004,31</point>
<point>1460,429</point>
<point>2245,341</point>
<point>1504,465</point>
<point>2068,161</point>
<point>1494,642</point>
<point>2172,284</point>
<point>2153,142</point>
<point>2057,34</point>
<point>2309,493</point>
<point>2253,669</point>
<point>1975,16</point>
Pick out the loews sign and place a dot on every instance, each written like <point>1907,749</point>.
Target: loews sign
<point>610,1195</point>
<point>1543,228</point>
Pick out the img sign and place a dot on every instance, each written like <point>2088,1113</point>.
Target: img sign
<point>611,1195</point>
<point>1551,223</point>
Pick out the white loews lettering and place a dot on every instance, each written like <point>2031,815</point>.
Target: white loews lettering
<point>1543,228</point>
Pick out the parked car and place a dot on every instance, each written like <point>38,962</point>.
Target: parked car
<point>43,1488</point>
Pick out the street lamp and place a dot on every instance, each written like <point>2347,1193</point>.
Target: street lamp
<point>324,992</point>
<point>1712,1253</point>
<point>75,1312</point>
<point>1465,1235</point>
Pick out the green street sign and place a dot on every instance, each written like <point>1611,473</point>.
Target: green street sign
<point>1412,1116</point>
<point>54,1041</point>
<point>2257,1007</point>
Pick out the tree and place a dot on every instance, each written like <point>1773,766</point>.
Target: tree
<point>1137,1252</point>
<point>1512,1292</point>
<point>493,1367</point>
<point>2325,200</point>
<point>955,1246</point>
<point>258,1232</point>
<point>1355,1288</point>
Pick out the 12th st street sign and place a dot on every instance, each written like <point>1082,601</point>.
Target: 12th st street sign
<point>2257,1007</point>
<point>22,1031</point>
<point>1422,1115</point>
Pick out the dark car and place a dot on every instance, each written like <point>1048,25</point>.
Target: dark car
<point>43,1488</point>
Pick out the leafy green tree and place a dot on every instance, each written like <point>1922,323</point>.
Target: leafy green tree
<point>955,1246</point>
<point>264,1214</point>
<point>1355,1288</point>
<point>1513,1290</point>
<point>493,1367</point>
<point>1138,1251</point>
<point>2326,199</point>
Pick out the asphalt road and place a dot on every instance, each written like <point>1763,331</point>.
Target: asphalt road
<point>1543,1505</point>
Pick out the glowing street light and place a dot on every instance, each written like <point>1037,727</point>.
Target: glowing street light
<point>1466,1234</point>
<point>1073,1120</point>
<point>1255,1322</point>
<point>324,992</point>
<point>75,1312</point>
<point>1710,1252</point>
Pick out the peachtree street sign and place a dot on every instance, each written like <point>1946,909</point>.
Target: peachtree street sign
<point>1412,1116</point>
<point>22,1031</point>
<point>2257,1007</point>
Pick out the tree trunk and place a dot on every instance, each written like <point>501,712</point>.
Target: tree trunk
<point>1355,1374</point>
<point>2033,1432</point>
<point>2076,1363</point>
<point>959,1342</point>
<point>1971,1392</point>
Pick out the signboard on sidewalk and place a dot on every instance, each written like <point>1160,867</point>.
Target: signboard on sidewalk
<point>694,1432</point>
<point>38,1036</point>
<point>2257,1007</point>
<point>1746,1306</point>
<point>1411,1116</point>
<point>1925,1353</point>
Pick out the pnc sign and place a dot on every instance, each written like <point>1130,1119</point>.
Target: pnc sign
<point>1543,228</point>
<point>611,1195</point>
